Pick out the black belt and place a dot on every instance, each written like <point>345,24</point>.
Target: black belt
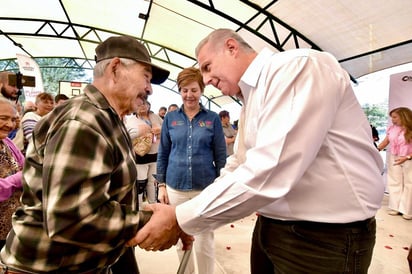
<point>356,224</point>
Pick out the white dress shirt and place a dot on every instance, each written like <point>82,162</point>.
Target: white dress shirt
<point>304,149</point>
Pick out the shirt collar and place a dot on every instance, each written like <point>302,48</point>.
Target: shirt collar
<point>202,108</point>
<point>251,76</point>
<point>96,97</point>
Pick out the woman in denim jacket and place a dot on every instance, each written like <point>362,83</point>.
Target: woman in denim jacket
<point>191,153</point>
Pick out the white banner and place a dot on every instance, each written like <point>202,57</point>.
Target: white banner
<point>400,90</point>
<point>29,67</point>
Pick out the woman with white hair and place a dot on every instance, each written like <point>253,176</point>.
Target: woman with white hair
<point>11,162</point>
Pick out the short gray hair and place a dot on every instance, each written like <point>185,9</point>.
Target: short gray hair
<point>99,68</point>
<point>218,36</point>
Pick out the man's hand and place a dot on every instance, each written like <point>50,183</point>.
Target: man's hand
<point>162,231</point>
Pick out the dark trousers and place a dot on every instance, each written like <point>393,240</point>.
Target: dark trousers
<point>126,263</point>
<point>309,247</point>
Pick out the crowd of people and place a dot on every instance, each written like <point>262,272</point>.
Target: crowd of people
<point>87,179</point>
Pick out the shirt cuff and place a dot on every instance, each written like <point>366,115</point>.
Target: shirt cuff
<point>188,219</point>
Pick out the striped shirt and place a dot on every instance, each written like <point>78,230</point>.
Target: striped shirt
<point>79,199</point>
<point>28,123</point>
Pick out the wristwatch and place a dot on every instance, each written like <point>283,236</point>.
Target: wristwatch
<point>409,157</point>
<point>161,184</point>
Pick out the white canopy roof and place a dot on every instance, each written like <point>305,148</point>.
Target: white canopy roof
<point>365,36</point>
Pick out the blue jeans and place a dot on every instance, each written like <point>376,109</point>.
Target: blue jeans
<point>308,247</point>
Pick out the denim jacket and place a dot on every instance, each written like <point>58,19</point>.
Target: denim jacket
<point>191,153</point>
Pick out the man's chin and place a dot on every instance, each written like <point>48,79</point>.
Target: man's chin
<point>10,97</point>
<point>229,93</point>
<point>225,92</point>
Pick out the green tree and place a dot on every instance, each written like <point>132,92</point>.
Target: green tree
<point>376,114</point>
<point>54,70</point>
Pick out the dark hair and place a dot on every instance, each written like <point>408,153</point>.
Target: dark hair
<point>60,96</point>
<point>224,113</point>
<point>172,105</point>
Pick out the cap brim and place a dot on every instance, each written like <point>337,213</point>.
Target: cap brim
<point>159,75</point>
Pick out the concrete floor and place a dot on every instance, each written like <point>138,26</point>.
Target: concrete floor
<point>394,236</point>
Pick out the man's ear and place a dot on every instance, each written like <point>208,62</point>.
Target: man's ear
<point>113,68</point>
<point>231,45</point>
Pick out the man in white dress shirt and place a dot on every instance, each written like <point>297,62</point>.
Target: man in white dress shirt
<point>305,161</point>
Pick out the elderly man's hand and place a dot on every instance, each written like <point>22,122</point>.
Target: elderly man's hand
<point>162,231</point>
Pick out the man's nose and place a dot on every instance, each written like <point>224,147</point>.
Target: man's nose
<point>207,79</point>
<point>149,90</point>
<point>11,123</point>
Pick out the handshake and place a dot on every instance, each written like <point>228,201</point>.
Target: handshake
<point>161,231</point>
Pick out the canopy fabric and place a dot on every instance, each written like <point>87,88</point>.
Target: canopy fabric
<point>365,36</point>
